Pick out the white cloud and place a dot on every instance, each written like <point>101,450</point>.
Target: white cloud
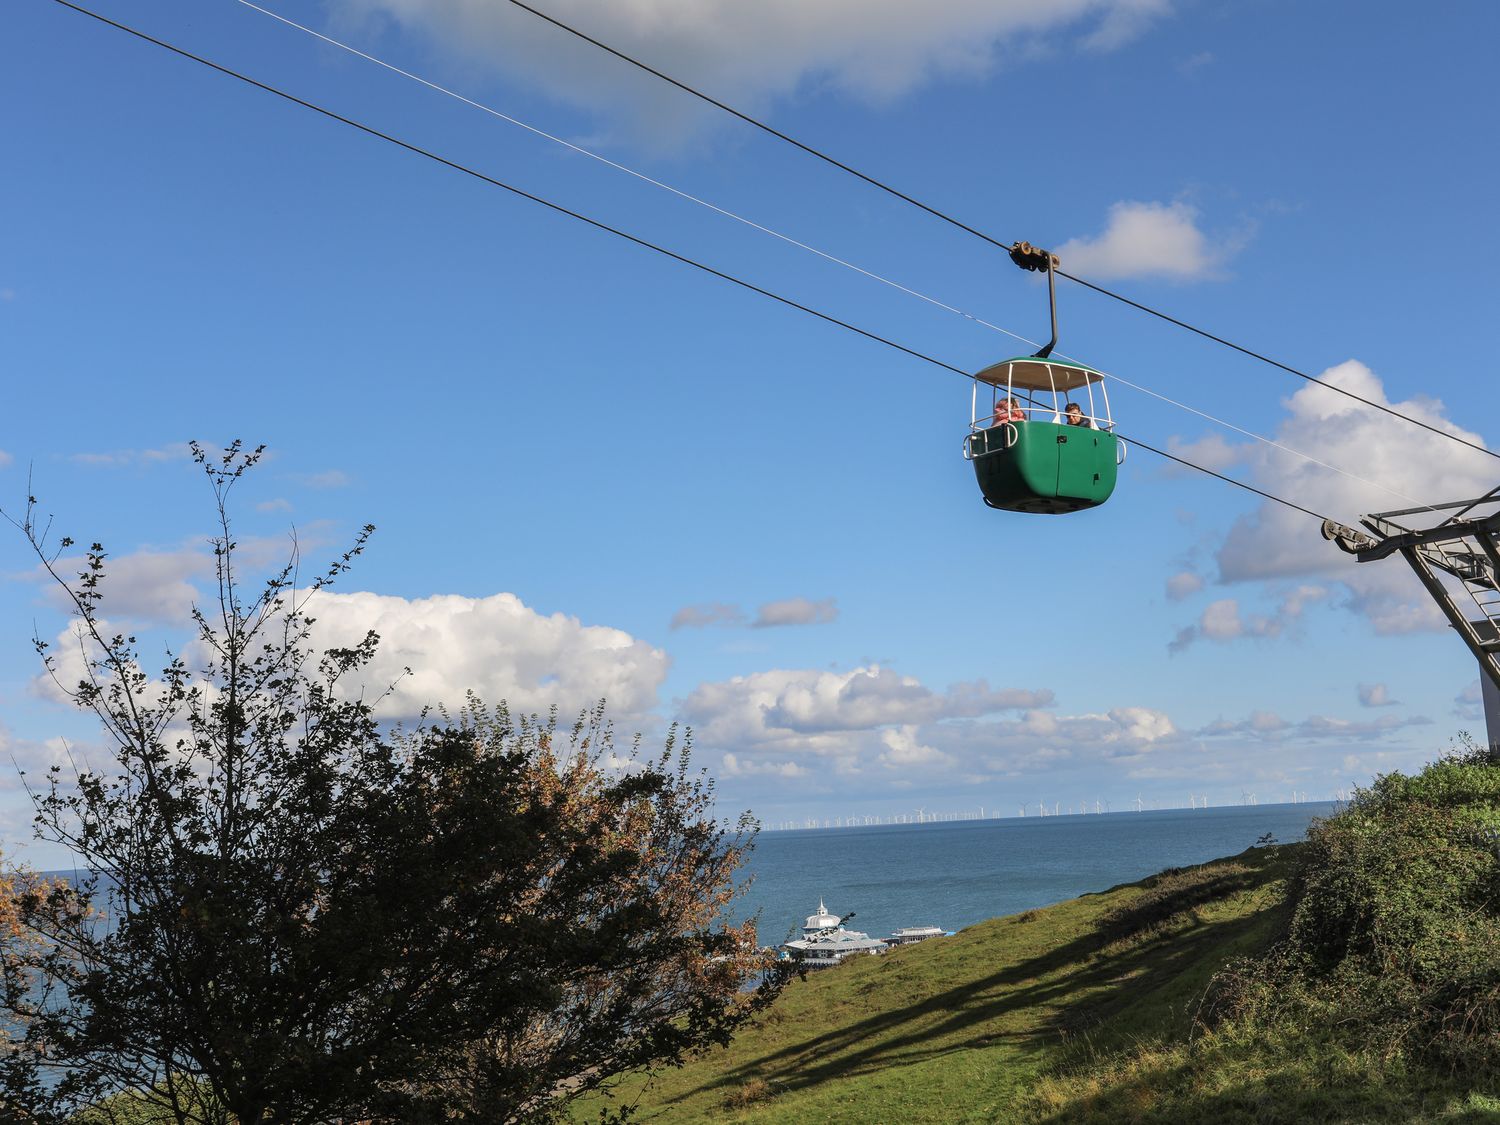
<point>1223,621</point>
<point>277,505</point>
<point>144,587</point>
<point>1402,466</point>
<point>1147,240</point>
<point>1375,695</point>
<point>747,53</point>
<point>839,725</point>
<point>1141,724</point>
<point>734,767</point>
<point>1268,726</point>
<point>803,705</point>
<point>707,613</point>
<point>497,647</point>
<point>5,459</point>
<point>1183,585</point>
<point>903,748</point>
<point>1210,451</point>
<point>32,758</point>
<point>796,611</point>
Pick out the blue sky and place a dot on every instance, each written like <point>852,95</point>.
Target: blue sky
<point>597,472</point>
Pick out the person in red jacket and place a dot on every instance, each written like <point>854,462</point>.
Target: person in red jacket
<point>1008,410</point>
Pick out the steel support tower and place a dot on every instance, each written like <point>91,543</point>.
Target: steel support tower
<point>1464,545</point>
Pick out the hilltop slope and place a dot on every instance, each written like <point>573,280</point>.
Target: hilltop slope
<point>959,1029</point>
<point>1094,1009</point>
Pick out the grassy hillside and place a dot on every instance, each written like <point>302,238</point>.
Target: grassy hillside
<point>1353,978</point>
<point>963,1028</point>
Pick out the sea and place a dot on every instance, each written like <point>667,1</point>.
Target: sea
<point>954,874</point>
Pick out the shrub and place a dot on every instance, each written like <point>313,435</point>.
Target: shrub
<point>1394,933</point>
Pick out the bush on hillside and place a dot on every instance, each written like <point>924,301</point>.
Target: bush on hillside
<point>1395,926</point>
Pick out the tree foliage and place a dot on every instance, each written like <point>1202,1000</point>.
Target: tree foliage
<point>299,915</point>
<point>1394,924</point>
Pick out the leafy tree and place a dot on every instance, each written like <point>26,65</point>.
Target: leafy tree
<point>297,915</point>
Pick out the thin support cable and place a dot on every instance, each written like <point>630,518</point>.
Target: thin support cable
<point>993,241</point>
<point>370,130</point>
<point>1274,444</point>
<point>833,258</point>
<point>629,171</point>
<point>761,125</point>
<point>1392,411</point>
<point>689,197</point>
<point>1221,476</point>
<point>419,151</point>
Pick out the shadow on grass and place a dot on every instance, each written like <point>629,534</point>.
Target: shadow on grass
<point>1075,986</point>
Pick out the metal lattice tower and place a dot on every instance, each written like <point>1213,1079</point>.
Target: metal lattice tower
<point>1464,545</point>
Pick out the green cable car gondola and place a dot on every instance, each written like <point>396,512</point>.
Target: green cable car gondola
<point>1030,453</point>
<point>1043,454</point>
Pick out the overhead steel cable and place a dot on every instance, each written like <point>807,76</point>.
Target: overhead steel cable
<point>991,239</point>
<point>1207,335</point>
<point>754,225</point>
<point>1221,476</point>
<point>370,130</point>
<point>625,168</point>
<point>757,123</point>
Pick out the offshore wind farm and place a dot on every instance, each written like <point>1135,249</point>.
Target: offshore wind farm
<point>1095,807</point>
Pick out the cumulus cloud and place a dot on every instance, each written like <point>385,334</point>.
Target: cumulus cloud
<point>1375,695</point>
<point>706,614</point>
<point>1223,620</point>
<point>26,761</point>
<point>904,748</point>
<point>1400,466</point>
<point>276,505</point>
<point>892,727</point>
<point>747,53</point>
<point>1141,724</point>
<point>1184,584</point>
<point>1210,451</point>
<point>802,706</point>
<point>143,587</point>
<point>496,646</point>
<point>796,611</point>
<point>1148,240</point>
<point>734,767</point>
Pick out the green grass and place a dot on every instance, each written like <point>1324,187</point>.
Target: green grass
<point>967,1028</point>
<point>1088,1011</point>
